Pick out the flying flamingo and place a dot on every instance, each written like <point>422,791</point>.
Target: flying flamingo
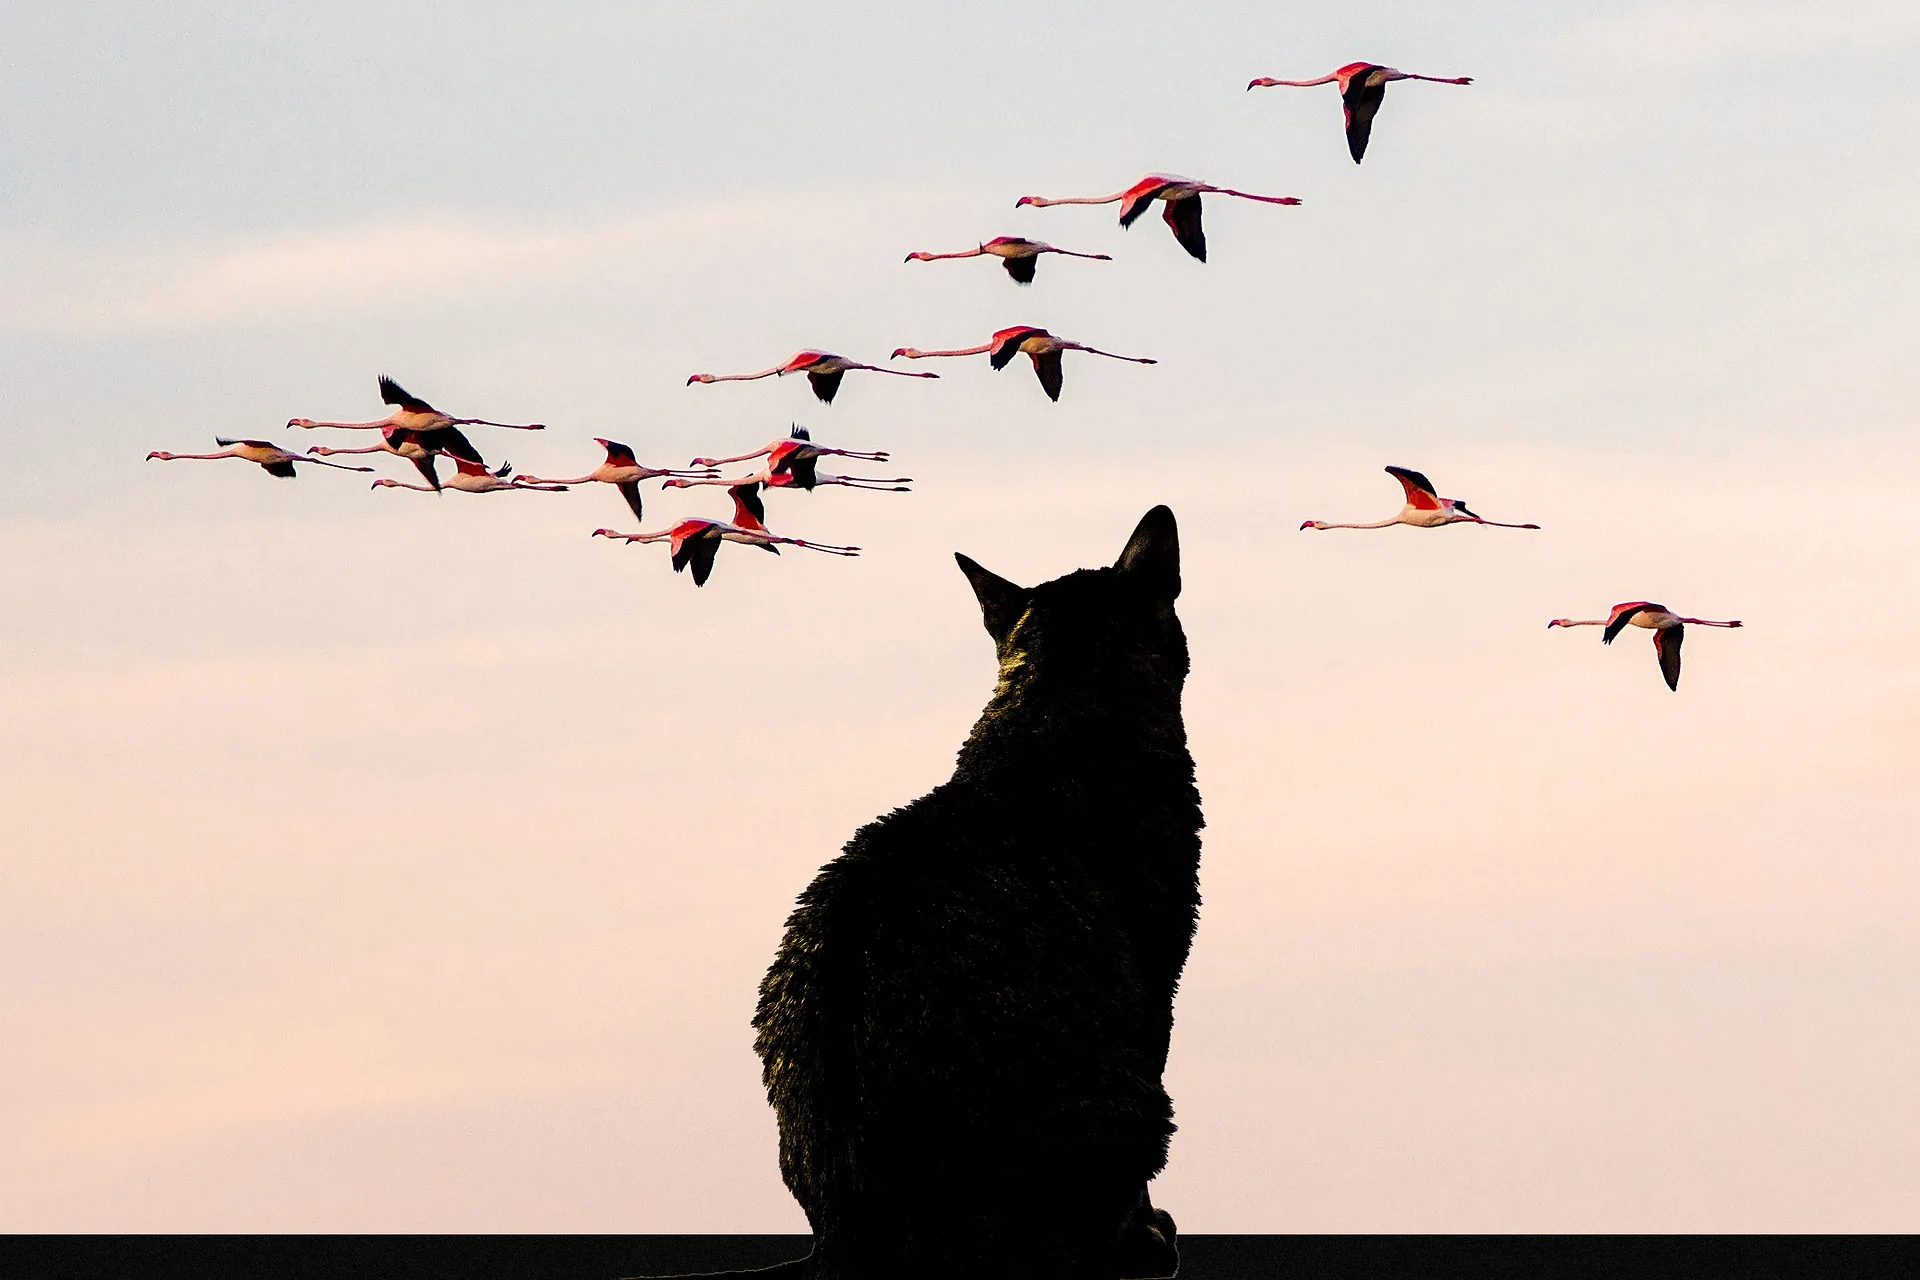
<point>1425,508</point>
<point>1363,87</point>
<point>276,461</point>
<point>1019,256</point>
<point>473,477</point>
<point>695,541</point>
<point>404,442</point>
<point>414,413</point>
<point>622,470</point>
<point>1041,347</point>
<point>823,369</point>
<point>1182,213</point>
<point>1668,628</point>
<point>783,455</point>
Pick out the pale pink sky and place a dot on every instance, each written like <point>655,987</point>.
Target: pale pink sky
<point>379,862</point>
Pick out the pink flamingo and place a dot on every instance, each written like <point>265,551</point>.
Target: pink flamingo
<point>1040,346</point>
<point>783,455</point>
<point>1668,628</point>
<point>1019,256</point>
<point>823,369</point>
<point>1182,196</point>
<point>1425,508</point>
<point>1363,87</point>
<point>695,541</point>
<point>473,477</point>
<point>275,460</point>
<point>623,471</point>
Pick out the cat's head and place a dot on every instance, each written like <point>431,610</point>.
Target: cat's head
<point>1112,627</point>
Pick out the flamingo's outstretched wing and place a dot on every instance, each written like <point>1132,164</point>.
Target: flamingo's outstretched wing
<point>1006,344</point>
<point>283,468</point>
<point>826,385</point>
<point>699,552</point>
<point>1421,495</point>
<point>1623,614</point>
<point>1047,366</point>
<point>1183,216</point>
<point>393,393</point>
<point>1666,643</point>
<point>630,490</point>
<point>451,441</point>
<point>804,470</point>
<point>1361,100</point>
<point>1021,269</point>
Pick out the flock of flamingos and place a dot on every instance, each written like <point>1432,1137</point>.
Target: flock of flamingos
<point>421,434</point>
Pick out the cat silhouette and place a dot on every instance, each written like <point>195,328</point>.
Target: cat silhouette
<point>964,1030</point>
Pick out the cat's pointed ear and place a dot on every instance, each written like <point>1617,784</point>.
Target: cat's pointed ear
<point>1152,555</point>
<point>1001,602</point>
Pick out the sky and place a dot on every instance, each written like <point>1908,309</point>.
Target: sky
<point>382,862</point>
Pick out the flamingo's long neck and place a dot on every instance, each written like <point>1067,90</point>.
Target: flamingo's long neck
<point>744,377</point>
<point>964,253</point>
<point>980,350</point>
<point>1581,622</point>
<point>353,426</point>
<point>1043,201</point>
<point>1378,524</point>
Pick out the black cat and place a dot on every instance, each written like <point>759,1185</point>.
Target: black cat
<point>964,1031</point>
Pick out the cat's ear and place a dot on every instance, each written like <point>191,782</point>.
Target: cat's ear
<point>1152,555</point>
<point>1001,602</point>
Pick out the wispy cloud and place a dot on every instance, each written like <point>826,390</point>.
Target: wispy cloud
<point>60,287</point>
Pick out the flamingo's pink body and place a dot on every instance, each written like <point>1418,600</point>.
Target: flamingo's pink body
<point>1182,197</point>
<point>1039,346</point>
<point>1424,509</point>
<point>1669,630</point>
<point>823,369</point>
